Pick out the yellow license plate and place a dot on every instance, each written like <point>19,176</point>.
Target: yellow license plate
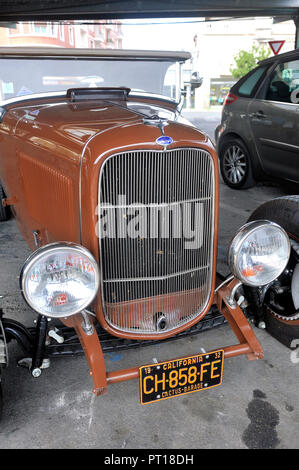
<point>180,376</point>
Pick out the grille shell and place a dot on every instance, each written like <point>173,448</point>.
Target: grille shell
<point>144,278</point>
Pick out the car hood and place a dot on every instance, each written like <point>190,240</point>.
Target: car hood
<point>69,126</point>
<point>75,122</point>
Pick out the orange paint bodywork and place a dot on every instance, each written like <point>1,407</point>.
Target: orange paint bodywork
<point>51,153</point>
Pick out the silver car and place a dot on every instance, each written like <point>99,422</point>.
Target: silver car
<point>259,131</point>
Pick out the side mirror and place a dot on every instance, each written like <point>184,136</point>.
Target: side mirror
<point>196,80</point>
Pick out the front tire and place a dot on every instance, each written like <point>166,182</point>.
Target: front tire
<point>235,164</point>
<point>281,315</point>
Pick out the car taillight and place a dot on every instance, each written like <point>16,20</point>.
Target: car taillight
<point>230,98</point>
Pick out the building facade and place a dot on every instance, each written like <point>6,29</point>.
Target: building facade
<point>70,34</point>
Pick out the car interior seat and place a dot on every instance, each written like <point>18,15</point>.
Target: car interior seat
<point>279,91</point>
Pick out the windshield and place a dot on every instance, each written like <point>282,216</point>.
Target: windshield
<point>23,76</point>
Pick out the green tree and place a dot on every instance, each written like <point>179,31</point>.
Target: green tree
<point>247,60</point>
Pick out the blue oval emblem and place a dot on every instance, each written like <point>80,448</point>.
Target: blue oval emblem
<point>164,140</point>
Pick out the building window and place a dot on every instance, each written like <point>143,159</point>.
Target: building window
<point>39,28</point>
<point>53,30</point>
<point>44,29</point>
<point>15,31</point>
<point>61,32</point>
<point>71,36</point>
<point>108,36</point>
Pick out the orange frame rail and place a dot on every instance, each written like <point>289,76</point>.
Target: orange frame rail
<point>247,343</point>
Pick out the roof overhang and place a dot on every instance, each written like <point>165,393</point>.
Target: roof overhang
<point>32,10</point>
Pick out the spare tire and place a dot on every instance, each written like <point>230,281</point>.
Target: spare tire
<point>283,324</point>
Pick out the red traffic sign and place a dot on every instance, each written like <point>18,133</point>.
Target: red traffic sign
<point>276,46</point>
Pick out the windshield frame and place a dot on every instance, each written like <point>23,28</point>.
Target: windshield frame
<point>146,57</point>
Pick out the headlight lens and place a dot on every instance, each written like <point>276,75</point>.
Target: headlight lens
<point>60,279</point>
<point>259,253</point>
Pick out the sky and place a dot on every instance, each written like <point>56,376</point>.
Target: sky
<point>167,34</point>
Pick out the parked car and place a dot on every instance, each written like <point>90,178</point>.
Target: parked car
<point>117,196</point>
<point>258,135</point>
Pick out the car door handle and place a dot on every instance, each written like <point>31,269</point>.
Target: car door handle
<point>258,115</point>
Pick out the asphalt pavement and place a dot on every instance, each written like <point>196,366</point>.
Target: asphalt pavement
<point>255,407</point>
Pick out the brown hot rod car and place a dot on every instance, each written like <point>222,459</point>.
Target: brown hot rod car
<point>117,196</point>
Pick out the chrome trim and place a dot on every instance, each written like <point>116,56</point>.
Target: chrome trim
<point>191,168</point>
<point>156,121</point>
<point>151,95</point>
<point>231,298</point>
<point>63,94</point>
<point>170,204</point>
<point>279,144</point>
<point>236,243</point>
<point>87,325</point>
<point>2,113</point>
<point>180,105</point>
<point>39,253</point>
<point>3,347</point>
<point>98,54</point>
<point>155,278</point>
<point>277,102</point>
<point>33,96</point>
<point>228,279</point>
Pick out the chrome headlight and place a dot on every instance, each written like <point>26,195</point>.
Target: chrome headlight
<point>259,253</point>
<point>60,279</point>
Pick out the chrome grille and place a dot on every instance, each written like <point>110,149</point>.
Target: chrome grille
<point>153,266</point>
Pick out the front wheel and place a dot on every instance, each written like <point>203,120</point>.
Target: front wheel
<point>281,304</point>
<point>235,164</point>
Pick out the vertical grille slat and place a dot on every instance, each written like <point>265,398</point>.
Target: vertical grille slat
<point>149,202</point>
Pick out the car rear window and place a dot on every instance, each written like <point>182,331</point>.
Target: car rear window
<point>247,86</point>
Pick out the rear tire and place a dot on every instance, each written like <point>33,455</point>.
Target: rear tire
<point>4,212</point>
<point>284,211</point>
<point>235,164</point>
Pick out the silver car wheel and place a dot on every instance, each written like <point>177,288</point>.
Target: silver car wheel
<point>234,164</point>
